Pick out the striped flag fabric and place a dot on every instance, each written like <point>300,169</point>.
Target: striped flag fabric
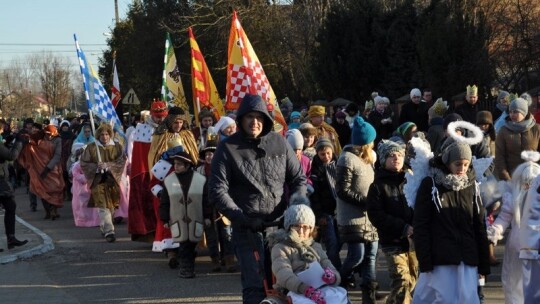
<point>115,89</point>
<point>96,97</point>
<point>245,73</point>
<point>172,90</point>
<point>205,93</point>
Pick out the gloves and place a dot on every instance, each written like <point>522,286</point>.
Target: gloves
<point>255,224</point>
<point>314,295</point>
<point>329,277</point>
<point>45,172</point>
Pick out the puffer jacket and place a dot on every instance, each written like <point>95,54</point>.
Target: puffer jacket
<point>290,255</point>
<point>508,147</point>
<point>388,209</point>
<point>455,231</point>
<point>354,176</point>
<point>248,174</point>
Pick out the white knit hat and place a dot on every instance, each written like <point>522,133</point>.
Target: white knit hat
<point>295,139</point>
<point>298,212</point>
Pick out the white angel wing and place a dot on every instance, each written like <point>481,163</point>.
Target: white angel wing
<point>420,168</point>
<point>480,166</point>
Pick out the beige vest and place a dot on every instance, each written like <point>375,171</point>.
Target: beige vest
<point>187,222</point>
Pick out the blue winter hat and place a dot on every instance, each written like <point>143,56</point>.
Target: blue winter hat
<point>363,133</point>
<point>295,114</point>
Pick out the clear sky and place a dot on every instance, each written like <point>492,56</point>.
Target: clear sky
<point>31,26</point>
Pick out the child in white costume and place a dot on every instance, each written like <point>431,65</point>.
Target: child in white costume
<point>512,212</point>
<point>521,251</point>
<point>294,251</point>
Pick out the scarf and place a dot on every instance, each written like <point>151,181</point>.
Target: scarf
<point>451,181</point>
<point>522,126</point>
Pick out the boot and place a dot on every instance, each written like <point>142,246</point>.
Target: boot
<point>230,264</point>
<point>187,269</point>
<point>47,214</point>
<point>54,213</point>
<point>368,293</point>
<point>173,259</point>
<point>216,265</point>
<point>13,242</point>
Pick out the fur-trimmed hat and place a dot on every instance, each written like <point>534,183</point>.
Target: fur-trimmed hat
<point>362,133</point>
<point>316,110</point>
<point>224,122</point>
<point>298,212</point>
<point>484,118</point>
<point>104,127</point>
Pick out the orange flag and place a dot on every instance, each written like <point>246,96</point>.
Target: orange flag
<point>205,93</point>
<point>245,73</point>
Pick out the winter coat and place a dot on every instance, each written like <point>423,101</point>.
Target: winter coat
<point>291,255</point>
<point>416,113</point>
<point>6,155</point>
<point>449,226</point>
<point>354,176</point>
<point>248,174</point>
<point>509,144</point>
<point>388,209</point>
<point>384,131</point>
<point>467,111</point>
<point>323,201</point>
<point>436,134</point>
<point>344,132</point>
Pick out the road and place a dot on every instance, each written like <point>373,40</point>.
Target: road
<point>83,268</point>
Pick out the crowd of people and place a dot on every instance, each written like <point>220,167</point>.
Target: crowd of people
<point>269,201</point>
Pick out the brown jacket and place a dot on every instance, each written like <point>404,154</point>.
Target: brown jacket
<point>509,145</point>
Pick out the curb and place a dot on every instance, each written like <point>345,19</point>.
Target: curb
<point>45,247</point>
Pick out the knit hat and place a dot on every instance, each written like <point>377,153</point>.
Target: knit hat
<point>456,151</point>
<point>404,127</point>
<point>362,132</point>
<point>527,97</point>
<point>378,100</point>
<point>307,129</point>
<point>298,213</point>
<point>323,142</point>
<point>386,147</point>
<point>224,122</point>
<point>295,114</point>
<point>295,139</point>
<point>415,92</point>
<point>503,96</point>
<point>451,118</point>
<point>484,118</point>
<point>316,111</point>
<point>521,105</point>
<point>340,114</point>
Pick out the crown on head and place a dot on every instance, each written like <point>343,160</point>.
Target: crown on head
<point>472,90</point>
<point>368,105</point>
<point>440,106</point>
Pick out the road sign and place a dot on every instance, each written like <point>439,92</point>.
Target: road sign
<point>131,98</point>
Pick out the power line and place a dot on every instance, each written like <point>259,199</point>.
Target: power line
<point>51,44</point>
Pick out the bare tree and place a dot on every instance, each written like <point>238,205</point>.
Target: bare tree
<point>54,76</point>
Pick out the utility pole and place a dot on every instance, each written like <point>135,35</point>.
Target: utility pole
<point>117,18</point>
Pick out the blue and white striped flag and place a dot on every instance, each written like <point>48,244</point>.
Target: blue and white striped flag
<point>96,97</point>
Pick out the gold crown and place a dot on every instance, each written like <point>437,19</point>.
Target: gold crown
<point>440,106</point>
<point>174,141</point>
<point>472,90</point>
<point>511,97</point>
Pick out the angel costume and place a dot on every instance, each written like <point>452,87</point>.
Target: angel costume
<point>514,199</point>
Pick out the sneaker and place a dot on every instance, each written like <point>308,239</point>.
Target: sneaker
<point>110,238</point>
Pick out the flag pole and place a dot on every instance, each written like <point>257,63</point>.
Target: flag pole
<point>94,131</point>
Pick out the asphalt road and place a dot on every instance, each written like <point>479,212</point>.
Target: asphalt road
<point>83,268</point>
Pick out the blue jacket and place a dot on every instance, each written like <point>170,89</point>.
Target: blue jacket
<point>248,174</point>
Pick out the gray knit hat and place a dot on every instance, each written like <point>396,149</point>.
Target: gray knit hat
<point>322,143</point>
<point>456,151</point>
<point>385,148</point>
<point>521,105</point>
<point>298,212</point>
<point>295,139</point>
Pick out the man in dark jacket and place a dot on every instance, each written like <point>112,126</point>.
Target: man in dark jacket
<point>9,152</point>
<point>415,111</point>
<point>469,108</point>
<point>248,172</point>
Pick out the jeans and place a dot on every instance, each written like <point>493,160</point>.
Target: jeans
<point>219,239</point>
<point>252,269</point>
<point>364,255</point>
<point>330,239</point>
